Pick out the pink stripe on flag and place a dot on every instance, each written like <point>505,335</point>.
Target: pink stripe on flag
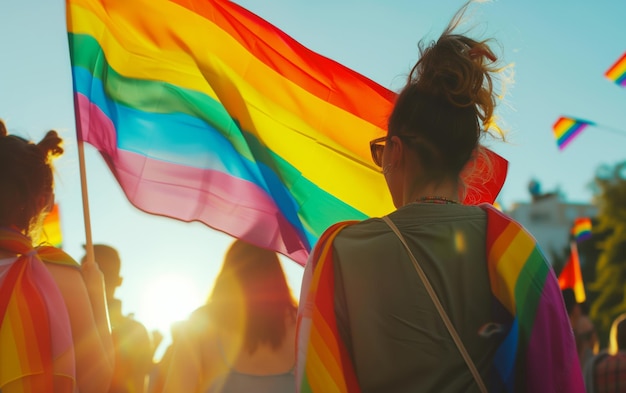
<point>163,188</point>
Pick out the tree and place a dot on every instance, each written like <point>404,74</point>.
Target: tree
<point>610,280</point>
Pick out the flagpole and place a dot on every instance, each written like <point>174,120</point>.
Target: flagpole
<point>87,219</point>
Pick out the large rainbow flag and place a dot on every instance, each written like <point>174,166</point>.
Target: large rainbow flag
<point>206,112</point>
<point>537,354</point>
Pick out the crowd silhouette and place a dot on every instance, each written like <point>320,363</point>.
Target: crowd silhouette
<point>403,303</point>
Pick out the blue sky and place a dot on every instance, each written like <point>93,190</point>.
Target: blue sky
<point>560,51</point>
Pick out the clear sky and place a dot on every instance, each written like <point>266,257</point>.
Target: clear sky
<point>560,51</point>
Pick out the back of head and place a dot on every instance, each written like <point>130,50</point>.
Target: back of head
<point>253,279</point>
<point>109,262</point>
<point>569,298</point>
<point>447,102</point>
<point>26,180</point>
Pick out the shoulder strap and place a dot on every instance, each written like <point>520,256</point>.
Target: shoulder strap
<point>440,309</point>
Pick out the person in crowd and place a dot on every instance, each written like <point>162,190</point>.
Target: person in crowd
<point>573,308</point>
<point>133,346</point>
<point>437,296</point>
<point>158,374</point>
<point>587,343</point>
<point>606,372</point>
<point>243,339</point>
<point>54,330</point>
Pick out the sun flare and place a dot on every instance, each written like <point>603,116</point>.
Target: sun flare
<point>168,299</point>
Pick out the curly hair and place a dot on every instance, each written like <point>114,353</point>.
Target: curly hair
<point>448,101</point>
<point>26,179</point>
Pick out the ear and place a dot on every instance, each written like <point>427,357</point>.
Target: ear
<point>396,152</point>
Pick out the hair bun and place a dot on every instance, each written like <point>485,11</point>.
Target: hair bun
<point>50,145</point>
<point>3,129</point>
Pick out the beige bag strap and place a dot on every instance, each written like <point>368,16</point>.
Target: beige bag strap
<point>440,309</point>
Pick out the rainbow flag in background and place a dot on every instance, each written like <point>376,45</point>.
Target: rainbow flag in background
<point>567,128</point>
<point>52,228</point>
<point>617,72</point>
<point>571,276</point>
<point>582,228</point>
<point>205,112</point>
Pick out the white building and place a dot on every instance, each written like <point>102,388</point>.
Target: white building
<point>549,219</point>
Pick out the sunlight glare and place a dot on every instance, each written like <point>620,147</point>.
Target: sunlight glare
<point>168,299</point>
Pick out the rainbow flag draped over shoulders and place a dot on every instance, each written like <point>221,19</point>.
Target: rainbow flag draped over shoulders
<point>538,353</point>
<point>35,334</point>
<point>323,362</point>
<point>206,112</point>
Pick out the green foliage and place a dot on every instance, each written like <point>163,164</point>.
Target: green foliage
<point>610,281</point>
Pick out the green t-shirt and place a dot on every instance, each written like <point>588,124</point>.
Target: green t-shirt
<point>392,329</point>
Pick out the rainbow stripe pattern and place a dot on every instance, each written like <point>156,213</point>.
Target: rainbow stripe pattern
<point>35,334</point>
<point>617,72</point>
<point>567,128</point>
<point>582,228</point>
<point>206,112</point>
<point>538,353</point>
<point>323,363</point>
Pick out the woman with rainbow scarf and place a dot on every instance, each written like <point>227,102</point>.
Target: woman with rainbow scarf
<point>54,328</point>
<point>438,296</point>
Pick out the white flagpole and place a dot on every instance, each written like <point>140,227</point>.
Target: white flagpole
<point>87,219</point>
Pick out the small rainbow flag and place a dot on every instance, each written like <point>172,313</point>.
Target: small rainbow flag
<point>52,228</point>
<point>582,229</point>
<point>571,276</point>
<point>567,128</point>
<point>617,72</point>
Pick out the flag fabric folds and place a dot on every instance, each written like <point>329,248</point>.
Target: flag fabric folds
<point>35,334</point>
<point>324,363</point>
<point>567,128</point>
<point>571,276</point>
<point>205,112</point>
<point>581,230</point>
<point>524,287</point>
<point>617,72</point>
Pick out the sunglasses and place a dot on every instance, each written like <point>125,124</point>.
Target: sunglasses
<point>377,146</point>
